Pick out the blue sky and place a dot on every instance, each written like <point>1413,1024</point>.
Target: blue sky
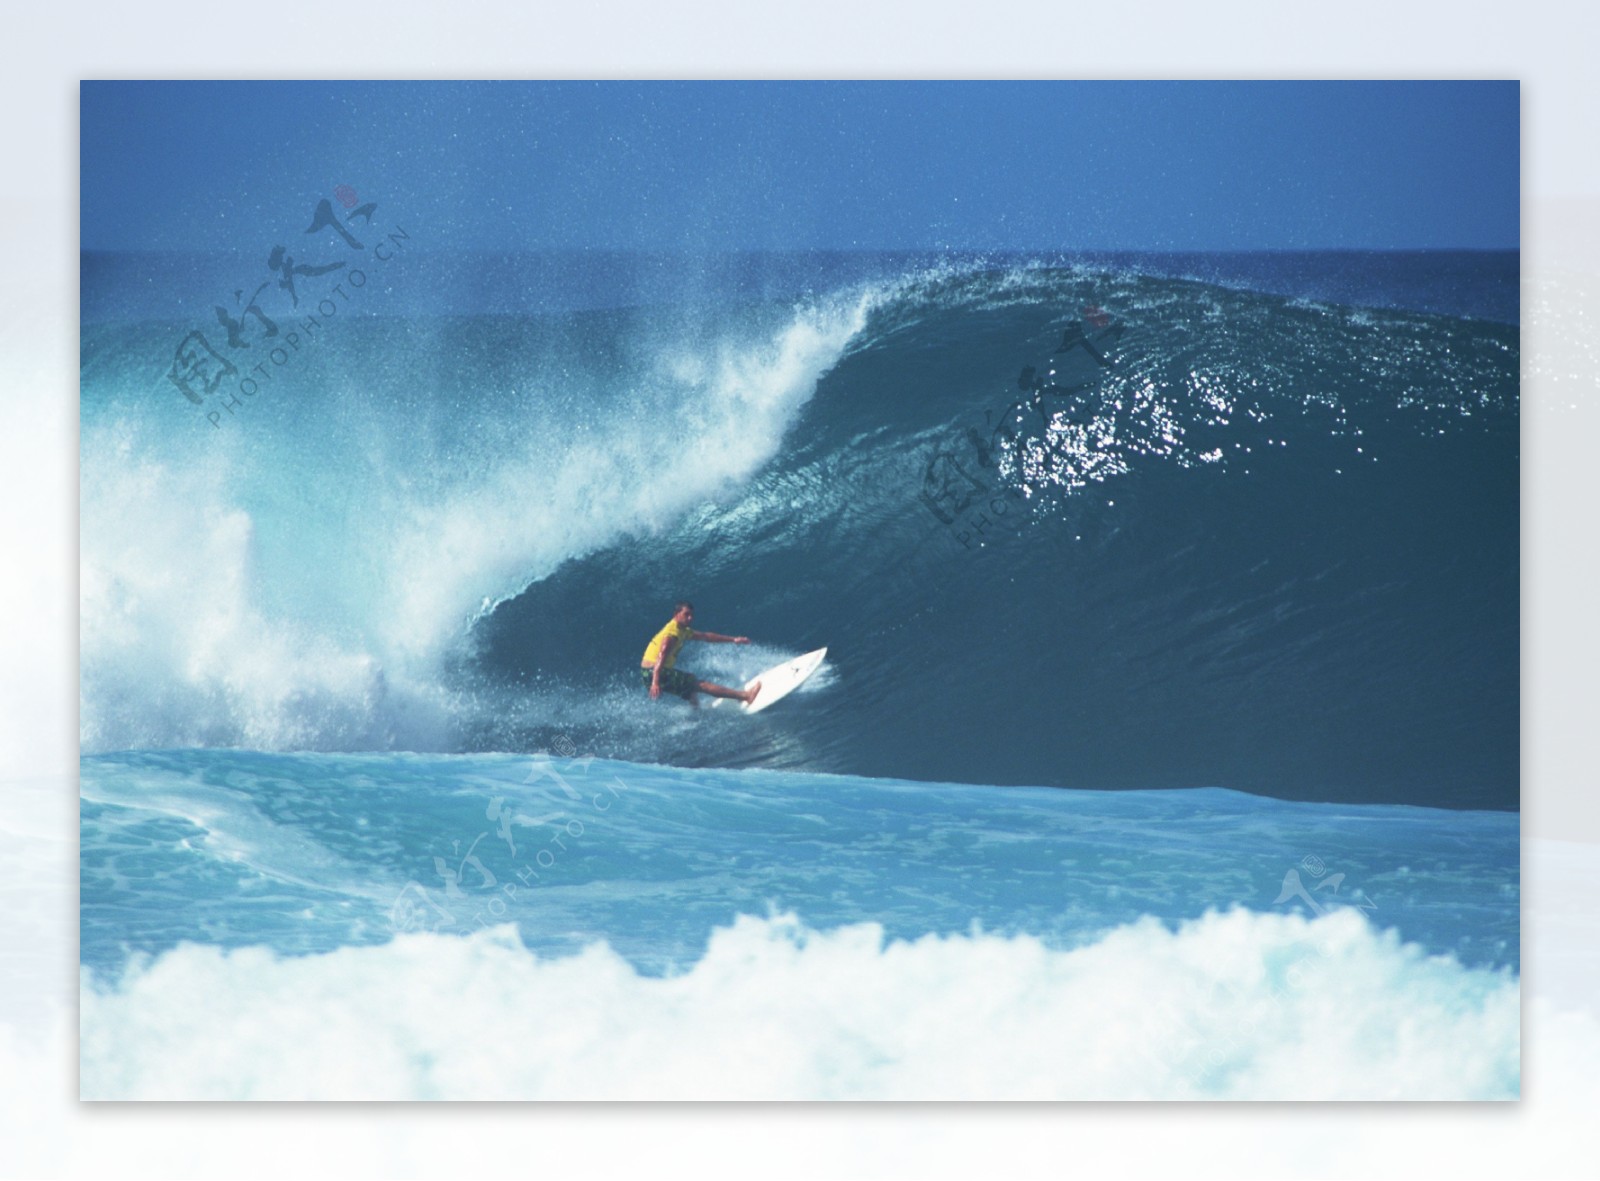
<point>713,166</point>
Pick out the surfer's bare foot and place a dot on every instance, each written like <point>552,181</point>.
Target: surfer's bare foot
<point>749,694</point>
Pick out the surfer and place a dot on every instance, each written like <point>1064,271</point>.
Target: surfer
<point>662,653</point>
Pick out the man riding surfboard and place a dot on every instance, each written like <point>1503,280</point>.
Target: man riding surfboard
<point>662,653</point>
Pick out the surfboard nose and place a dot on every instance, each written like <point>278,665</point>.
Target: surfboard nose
<point>777,683</point>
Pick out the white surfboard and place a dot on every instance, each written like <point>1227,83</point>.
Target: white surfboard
<point>783,679</point>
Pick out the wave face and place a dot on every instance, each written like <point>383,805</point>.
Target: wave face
<point>1057,524</point>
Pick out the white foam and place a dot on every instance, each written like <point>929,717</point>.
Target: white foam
<point>1237,1005</point>
<point>484,541</point>
<point>179,643</point>
<point>237,592</point>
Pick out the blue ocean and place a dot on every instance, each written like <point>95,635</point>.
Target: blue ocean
<point>1167,744</point>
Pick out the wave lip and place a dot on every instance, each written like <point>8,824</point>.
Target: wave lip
<point>1234,1005</point>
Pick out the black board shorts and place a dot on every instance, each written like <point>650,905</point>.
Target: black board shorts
<point>674,680</point>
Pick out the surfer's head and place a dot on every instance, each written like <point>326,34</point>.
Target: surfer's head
<point>683,611</point>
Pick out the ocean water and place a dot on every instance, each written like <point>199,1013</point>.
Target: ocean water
<point>1167,745</point>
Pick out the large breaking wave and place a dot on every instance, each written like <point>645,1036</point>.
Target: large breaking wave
<point>1057,525</point>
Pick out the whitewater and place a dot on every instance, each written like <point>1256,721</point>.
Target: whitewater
<point>1167,746</point>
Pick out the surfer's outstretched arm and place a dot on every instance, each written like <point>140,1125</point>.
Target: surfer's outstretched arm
<point>714,638</point>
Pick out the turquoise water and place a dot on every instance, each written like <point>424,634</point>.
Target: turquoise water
<point>1167,745</point>
<point>506,926</point>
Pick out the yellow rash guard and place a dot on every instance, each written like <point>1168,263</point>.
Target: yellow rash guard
<point>669,639</point>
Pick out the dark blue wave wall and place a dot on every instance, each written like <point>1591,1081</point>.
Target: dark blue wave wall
<point>1255,543</point>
